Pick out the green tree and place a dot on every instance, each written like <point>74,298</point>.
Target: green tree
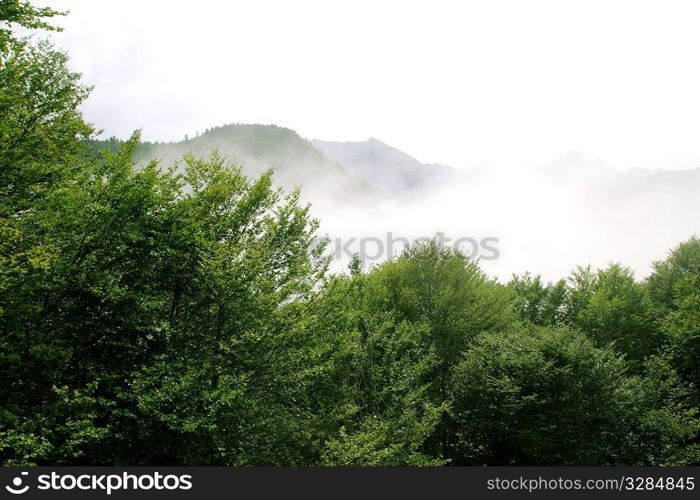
<point>666,427</point>
<point>613,309</point>
<point>548,396</point>
<point>538,303</point>
<point>40,132</point>
<point>40,124</point>
<point>451,301</point>
<point>24,14</point>
<point>67,339</point>
<point>167,316</point>
<point>223,386</point>
<point>675,290</point>
<point>370,390</point>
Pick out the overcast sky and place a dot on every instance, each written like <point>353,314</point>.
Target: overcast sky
<point>455,82</point>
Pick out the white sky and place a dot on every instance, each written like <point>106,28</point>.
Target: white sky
<point>451,82</point>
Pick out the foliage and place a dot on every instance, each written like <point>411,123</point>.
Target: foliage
<point>538,303</point>
<point>675,289</point>
<point>22,13</point>
<point>182,314</point>
<point>548,396</point>
<point>612,309</point>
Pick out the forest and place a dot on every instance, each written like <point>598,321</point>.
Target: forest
<point>173,314</point>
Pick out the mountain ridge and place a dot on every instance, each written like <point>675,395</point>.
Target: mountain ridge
<point>386,168</point>
<point>371,171</point>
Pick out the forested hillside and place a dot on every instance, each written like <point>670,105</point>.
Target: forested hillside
<point>256,149</point>
<point>154,314</point>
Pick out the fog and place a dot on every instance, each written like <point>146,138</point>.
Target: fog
<point>547,219</point>
<point>500,91</point>
<point>458,83</point>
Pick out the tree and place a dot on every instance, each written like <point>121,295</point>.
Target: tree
<point>40,125</point>
<point>541,304</point>
<point>167,316</point>
<point>450,301</point>
<point>222,387</point>
<point>665,429</point>
<point>23,14</point>
<point>674,287</point>
<point>380,380</point>
<point>613,309</point>
<point>548,396</point>
<point>40,132</point>
<point>444,290</point>
<point>67,336</point>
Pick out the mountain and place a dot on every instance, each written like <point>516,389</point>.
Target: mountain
<point>329,173</point>
<point>676,187</point>
<point>256,148</point>
<point>387,169</point>
<point>545,218</point>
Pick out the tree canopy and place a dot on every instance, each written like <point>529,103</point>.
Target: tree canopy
<point>183,314</point>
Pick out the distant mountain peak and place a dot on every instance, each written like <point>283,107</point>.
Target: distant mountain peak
<point>386,168</point>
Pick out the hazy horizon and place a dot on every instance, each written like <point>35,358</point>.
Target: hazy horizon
<point>547,219</point>
<point>547,118</point>
<point>455,83</point>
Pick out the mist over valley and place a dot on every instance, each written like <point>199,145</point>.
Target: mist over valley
<point>545,218</point>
